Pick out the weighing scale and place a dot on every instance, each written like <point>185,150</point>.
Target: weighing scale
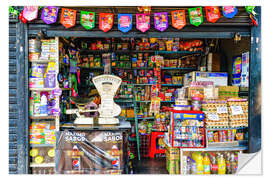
<point>106,86</point>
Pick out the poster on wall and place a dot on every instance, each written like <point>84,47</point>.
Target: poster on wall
<point>143,22</point>
<point>161,21</point>
<point>89,152</point>
<point>195,16</point>
<point>212,13</point>
<point>124,22</point>
<point>178,19</point>
<point>105,21</point>
<point>229,11</point>
<point>30,12</point>
<point>49,14</point>
<point>68,17</point>
<point>88,19</point>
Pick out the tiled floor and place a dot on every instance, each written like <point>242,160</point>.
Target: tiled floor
<point>150,166</point>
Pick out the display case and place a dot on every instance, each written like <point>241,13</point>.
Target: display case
<point>187,129</point>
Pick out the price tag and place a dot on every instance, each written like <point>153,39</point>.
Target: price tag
<point>222,109</point>
<point>236,110</point>
<point>213,117</point>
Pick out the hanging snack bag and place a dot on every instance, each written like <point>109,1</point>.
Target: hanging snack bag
<point>68,17</point>
<point>143,22</point>
<point>229,11</point>
<point>195,16</point>
<point>212,13</point>
<point>161,21</point>
<point>88,19</point>
<point>124,22</point>
<point>105,21</point>
<point>178,19</point>
<point>49,14</point>
<point>30,12</point>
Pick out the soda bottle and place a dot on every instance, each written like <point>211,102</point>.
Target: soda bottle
<point>233,164</point>
<point>214,166</point>
<point>206,164</point>
<point>76,159</point>
<point>228,163</point>
<point>199,163</point>
<point>221,165</point>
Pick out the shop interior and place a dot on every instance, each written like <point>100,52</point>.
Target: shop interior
<point>79,59</point>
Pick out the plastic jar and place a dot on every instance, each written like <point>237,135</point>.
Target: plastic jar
<point>196,104</point>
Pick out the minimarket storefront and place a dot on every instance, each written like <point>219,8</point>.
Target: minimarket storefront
<point>205,113</point>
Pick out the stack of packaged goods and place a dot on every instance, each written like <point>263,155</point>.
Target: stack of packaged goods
<point>161,121</point>
<point>216,113</point>
<point>142,60</point>
<point>226,92</point>
<point>42,133</point>
<point>172,159</point>
<point>210,163</point>
<point>142,93</point>
<point>167,94</point>
<point>124,92</point>
<point>127,112</point>
<point>144,76</point>
<point>48,49</point>
<point>238,112</point>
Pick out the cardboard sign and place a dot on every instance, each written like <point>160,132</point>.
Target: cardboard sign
<point>105,21</point>
<point>161,21</point>
<point>222,109</point>
<point>195,16</point>
<point>30,12</point>
<point>178,19</point>
<point>49,14</point>
<point>88,19</point>
<point>212,13</point>
<point>124,22</point>
<point>213,117</point>
<point>143,22</point>
<point>68,17</point>
<point>229,11</point>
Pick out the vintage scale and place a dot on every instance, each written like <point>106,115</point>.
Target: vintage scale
<point>106,86</point>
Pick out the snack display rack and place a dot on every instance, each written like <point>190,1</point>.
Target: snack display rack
<point>54,119</point>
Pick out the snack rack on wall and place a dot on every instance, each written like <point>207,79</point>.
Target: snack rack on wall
<point>42,151</point>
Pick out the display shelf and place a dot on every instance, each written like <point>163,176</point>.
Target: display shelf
<point>41,61</point>
<point>41,145</point>
<point>146,118</point>
<point>142,84</point>
<point>223,128</point>
<point>236,148</point>
<point>41,89</point>
<point>143,68</point>
<point>172,85</point>
<point>88,51</point>
<point>42,165</point>
<point>167,101</point>
<point>143,101</point>
<point>178,68</point>
<point>42,117</point>
<point>123,101</point>
<point>130,118</point>
<point>178,52</point>
<point>93,68</point>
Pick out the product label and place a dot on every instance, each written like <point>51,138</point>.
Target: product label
<point>195,16</point>
<point>213,117</point>
<point>49,14</point>
<point>124,22</point>
<point>222,109</point>
<point>143,22</point>
<point>105,21</point>
<point>88,19</point>
<point>236,110</point>
<point>74,136</point>
<point>68,17</point>
<point>212,13</point>
<point>188,116</point>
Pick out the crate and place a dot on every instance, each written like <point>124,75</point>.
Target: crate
<point>144,145</point>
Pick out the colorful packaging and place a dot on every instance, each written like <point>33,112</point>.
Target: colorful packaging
<point>161,21</point>
<point>178,19</point>
<point>88,19</point>
<point>30,12</point>
<point>212,13</point>
<point>229,11</point>
<point>195,16</point>
<point>105,21</point>
<point>49,14</point>
<point>143,22</point>
<point>245,70</point>
<point>68,17</point>
<point>124,22</point>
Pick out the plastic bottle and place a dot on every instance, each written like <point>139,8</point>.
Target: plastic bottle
<point>228,163</point>
<point>214,166</point>
<point>43,105</point>
<point>221,165</point>
<point>233,164</point>
<point>199,163</point>
<point>193,166</point>
<point>206,164</point>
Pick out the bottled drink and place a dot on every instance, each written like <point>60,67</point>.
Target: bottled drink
<point>76,160</point>
<point>221,165</point>
<point>228,164</point>
<point>199,163</point>
<point>206,164</point>
<point>214,166</point>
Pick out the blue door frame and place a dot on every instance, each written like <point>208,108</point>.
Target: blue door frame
<point>23,32</point>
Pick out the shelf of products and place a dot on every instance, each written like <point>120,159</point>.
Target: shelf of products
<point>42,117</point>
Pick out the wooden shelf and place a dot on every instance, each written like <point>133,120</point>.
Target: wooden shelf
<point>42,117</point>
<point>42,165</point>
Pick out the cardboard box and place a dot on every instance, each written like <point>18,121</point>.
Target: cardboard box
<point>218,78</point>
